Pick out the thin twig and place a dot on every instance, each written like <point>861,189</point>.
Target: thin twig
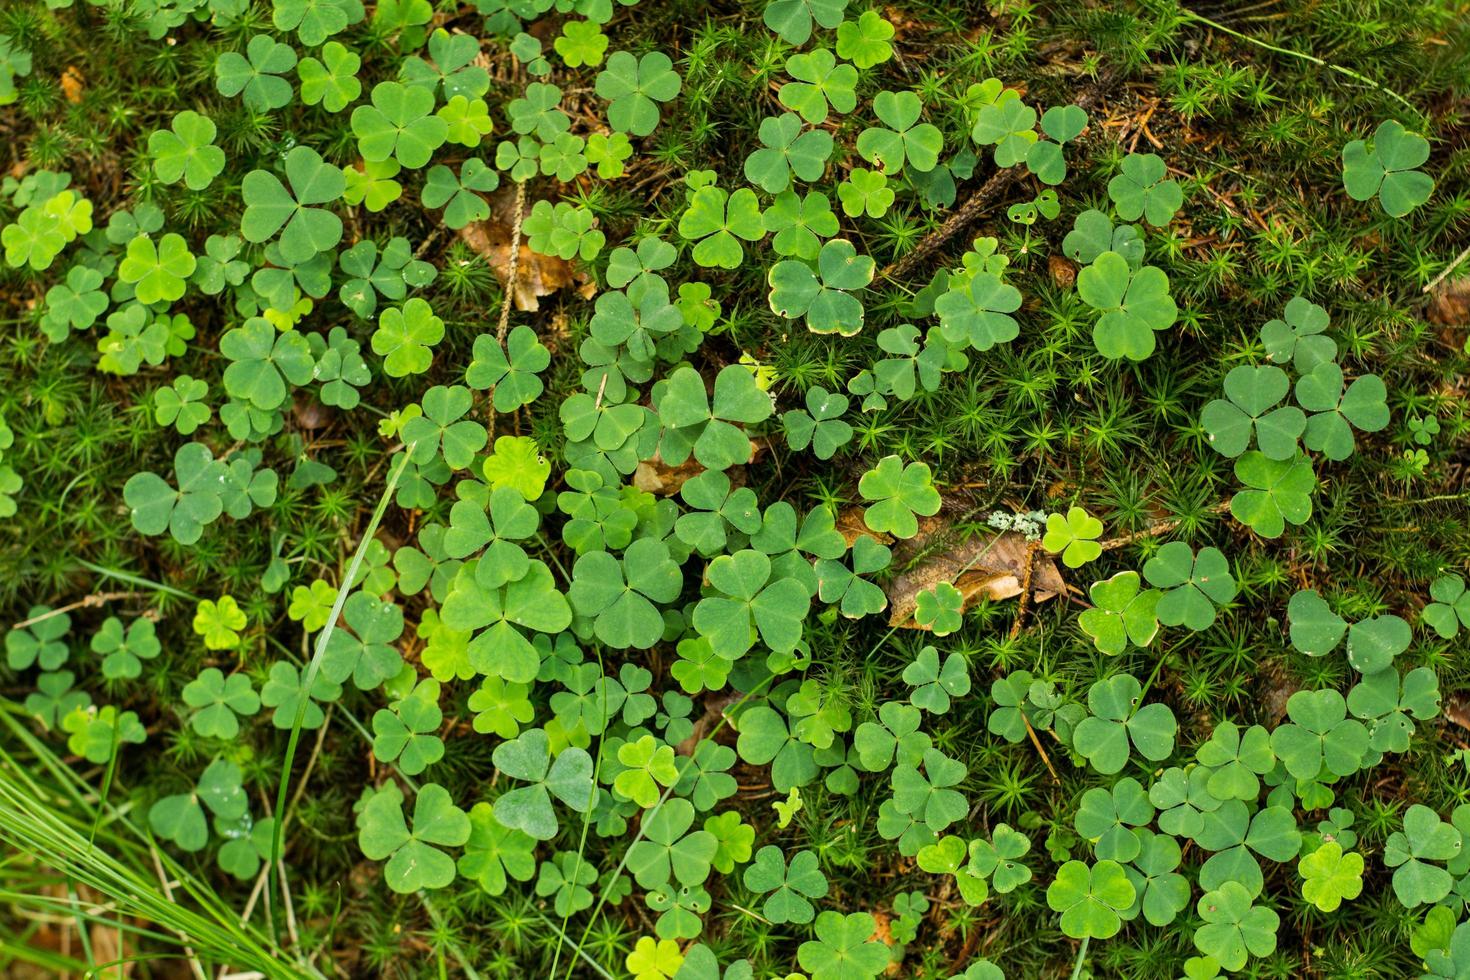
<point>1458,261</point>
<point>85,603</point>
<point>983,199</point>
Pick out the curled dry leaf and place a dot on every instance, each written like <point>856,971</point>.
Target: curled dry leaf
<point>536,275</point>
<point>984,566</point>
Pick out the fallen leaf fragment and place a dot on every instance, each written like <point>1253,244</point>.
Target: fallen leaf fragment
<point>985,566</point>
<point>537,275</point>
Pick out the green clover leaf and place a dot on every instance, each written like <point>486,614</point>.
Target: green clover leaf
<point>1193,584</point>
<point>219,702</point>
<point>634,87</point>
<point>1074,536</point>
<point>1117,719</point>
<point>822,295</point>
<point>1141,190</point>
<point>1133,305</point>
<point>1253,394</point>
<point>898,492</point>
<point>256,75</point>
<point>1387,168</point>
<point>1120,613</point>
<point>790,884</point>
<point>1090,898</point>
<point>529,808</point>
<point>415,861</point>
<point>844,948</point>
<point>1278,492</point>
<point>1234,929</point>
<point>400,123</point>
<point>305,229</point>
<point>820,83</point>
<point>187,151</point>
<point>793,19</point>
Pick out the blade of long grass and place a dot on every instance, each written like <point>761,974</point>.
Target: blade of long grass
<point>308,676</point>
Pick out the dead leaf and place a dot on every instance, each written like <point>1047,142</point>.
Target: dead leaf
<point>1063,272</point>
<point>656,476</point>
<point>851,526</point>
<point>989,566</point>
<point>72,85</point>
<point>536,275</point>
<point>1449,303</point>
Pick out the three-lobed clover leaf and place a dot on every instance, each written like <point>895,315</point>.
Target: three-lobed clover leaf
<point>1415,854</point>
<point>264,364</point>
<point>457,194</point>
<point>74,304</point>
<point>898,492</point>
<point>791,884</point>
<point>494,854</point>
<point>184,509</point>
<point>865,41</point>
<point>186,151</point>
<point>1329,876</point>
<point>1299,336</point>
<point>405,337</point>
<point>415,861</point>
<point>844,948</point>
<point>977,312</point>
<point>41,643</point>
<point>821,84</point>
<point>1142,190</point>
<point>1120,613</point>
<point>787,152</point>
<point>403,733</point>
<point>717,221</point>
<point>905,140</point>
<point>793,19</point>
<point>1340,408</point>
<point>1090,898</point>
<point>219,702</point>
<point>695,424</point>
<point>823,295</point>
<point>400,124</point>
<point>529,808</point>
<point>934,682</point>
<point>1117,720</point>
<point>1074,536</point>
<point>1193,584</point>
<point>634,87</point>
<point>158,271</point>
<point>748,600</point>
<point>1387,168</point>
<point>1234,928</point>
<point>305,228</point>
<point>1249,408</point>
<point>1320,740</point>
<point>1450,608</point>
<point>1133,305</point>
<point>1277,492</point>
<point>442,430</point>
<point>620,595</point>
<point>123,651</point>
<point>331,82</point>
<point>256,75</point>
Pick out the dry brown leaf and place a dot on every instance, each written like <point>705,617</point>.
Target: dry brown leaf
<point>990,566</point>
<point>1063,272</point>
<point>1449,303</point>
<point>72,85</point>
<point>536,275</point>
<point>656,476</point>
<point>851,526</point>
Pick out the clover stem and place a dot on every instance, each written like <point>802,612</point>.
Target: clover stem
<point>1147,684</point>
<point>1081,955</point>
<point>1340,69</point>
